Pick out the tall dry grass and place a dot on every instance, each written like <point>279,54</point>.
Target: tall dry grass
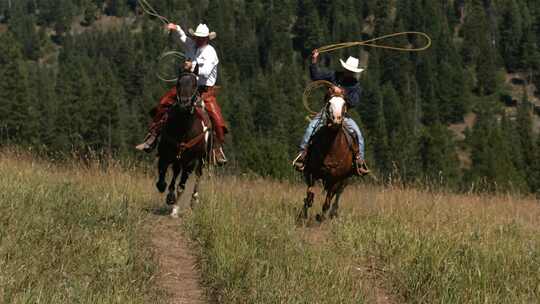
<point>73,233</point>
<point>406,245</point>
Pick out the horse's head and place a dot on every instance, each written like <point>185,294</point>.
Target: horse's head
<point>186,89</point>
<point>335,111</point>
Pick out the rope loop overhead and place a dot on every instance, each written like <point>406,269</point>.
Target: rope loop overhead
<point>371,43</point>
<point>148,9</point>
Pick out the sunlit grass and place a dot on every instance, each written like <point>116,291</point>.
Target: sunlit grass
<point>78,234</point>
<point>73,234</point>
<point>412,246</point>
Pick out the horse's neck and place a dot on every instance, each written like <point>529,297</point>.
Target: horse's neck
<point>331,140</point>
<point>180,123</point>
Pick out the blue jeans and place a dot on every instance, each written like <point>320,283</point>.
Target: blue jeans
<point>349,124</point>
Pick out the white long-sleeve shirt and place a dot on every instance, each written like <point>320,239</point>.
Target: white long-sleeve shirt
<point>206,58</point>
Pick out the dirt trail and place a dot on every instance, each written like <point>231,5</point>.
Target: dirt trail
<point>178,273</point>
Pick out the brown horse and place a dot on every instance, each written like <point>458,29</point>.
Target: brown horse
<point>185,141</point>
<point>329,158</point>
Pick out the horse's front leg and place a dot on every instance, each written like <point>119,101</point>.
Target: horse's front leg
<point>199,173</point>
<point>171,197</point>
<point>335,205</point>
<point>308,201</point>
<point>331,190</point>
<point>163,165</point>
<point>326,205</point>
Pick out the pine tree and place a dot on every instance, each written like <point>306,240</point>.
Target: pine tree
<point>511,29</point>
<point>439,158</point>
<point>525,136</point>
<point>14,112</point>
<point>492,165</point>
<point>307,29</point>
<point>22,24</point>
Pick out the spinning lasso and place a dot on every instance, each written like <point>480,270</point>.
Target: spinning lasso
<point>370,43</point>
<point>367,43</point>
<point>149,10</point>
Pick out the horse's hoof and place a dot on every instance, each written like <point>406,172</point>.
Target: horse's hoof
<point>175,212</point>
<point>161,187</point>
<point>171,199</point>
<point>194,200</point>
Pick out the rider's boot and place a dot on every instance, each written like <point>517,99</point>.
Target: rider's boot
<point>219,156</point>
<point>149,143</point>
<point>361,168</point>
<point>298,162</point>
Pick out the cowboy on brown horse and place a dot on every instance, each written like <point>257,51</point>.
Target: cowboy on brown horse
<point>203,60</point>
<point>345,85</point>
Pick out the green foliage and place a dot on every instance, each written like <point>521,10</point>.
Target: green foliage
<point>99,91</point>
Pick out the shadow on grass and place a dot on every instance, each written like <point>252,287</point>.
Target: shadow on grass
<point>159,211</point>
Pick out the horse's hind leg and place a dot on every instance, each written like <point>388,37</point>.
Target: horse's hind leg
<point>171,197</point>
<point>198,173</point>
<point>161,185</point>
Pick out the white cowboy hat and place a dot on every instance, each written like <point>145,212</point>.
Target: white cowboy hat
<point>203,31</point>
<point>352,64</point>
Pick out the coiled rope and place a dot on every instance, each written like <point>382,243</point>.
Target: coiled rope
<point>309,89</point>
<point>173,54</point>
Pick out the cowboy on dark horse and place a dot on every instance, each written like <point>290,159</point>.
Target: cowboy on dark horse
<point>345,85</point>
<point>202,59</point>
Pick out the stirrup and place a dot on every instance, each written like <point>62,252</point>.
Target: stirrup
<point>219,156</point>
<point>298,162</point>
<point>361,168</point>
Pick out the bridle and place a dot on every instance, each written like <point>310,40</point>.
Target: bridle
<point>329,115</point>
<point>187,101</point>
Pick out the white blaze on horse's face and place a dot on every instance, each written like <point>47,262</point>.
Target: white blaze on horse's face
<point>336,109</point>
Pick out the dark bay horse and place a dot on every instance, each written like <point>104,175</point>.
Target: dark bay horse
<point>185,142</point>
<point>329,159</point>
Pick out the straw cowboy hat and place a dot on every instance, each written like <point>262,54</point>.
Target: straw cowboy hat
<point>203,32</point>
<point>352,65</point>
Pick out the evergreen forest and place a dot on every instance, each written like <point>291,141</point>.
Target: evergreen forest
<point>80,75</point>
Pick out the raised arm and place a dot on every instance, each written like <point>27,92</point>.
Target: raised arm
<point>316,73</point>
<point>187,41</point>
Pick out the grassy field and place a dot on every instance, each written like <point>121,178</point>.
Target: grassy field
<point>78,234</point>
<point>389,245</point>
<point>74,234</point>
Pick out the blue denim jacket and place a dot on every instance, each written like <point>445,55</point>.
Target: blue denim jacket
<point>352,88</point>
